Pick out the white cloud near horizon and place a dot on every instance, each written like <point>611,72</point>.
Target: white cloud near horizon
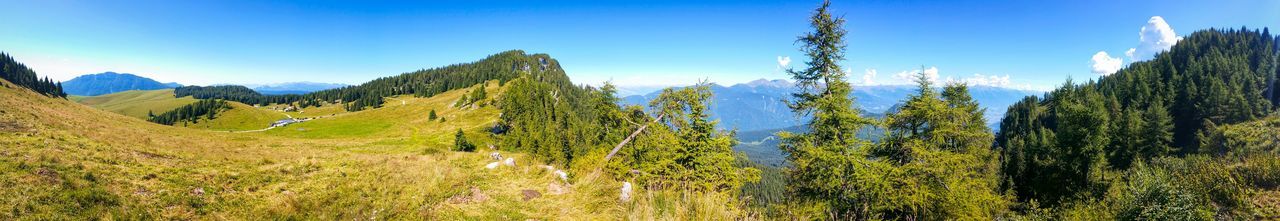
<point>1104,64</point>
<point>984,80</point>
<point>909,77</point>
<point>869,76</point>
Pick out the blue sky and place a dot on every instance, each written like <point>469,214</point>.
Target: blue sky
<point>637,44</point>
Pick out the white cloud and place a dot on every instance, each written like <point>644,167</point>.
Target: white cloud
<point>931,74</point>
<point>938,79</point>
<point>909,77</point>
<point>783,62</point>
<point>1104,64</point>
<point>1155,37</point>
<point>984,80</point>
<point>869,76</point>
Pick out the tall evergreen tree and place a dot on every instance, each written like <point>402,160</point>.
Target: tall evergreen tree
<point>827,161</point>
<point>20,75</point>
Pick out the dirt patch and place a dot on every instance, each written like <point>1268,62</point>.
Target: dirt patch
<point>530,194</point>
<point>473,196</point>
<point>151,155</point>
<point>1267,204</point>
<point>13,126</point>
<point>49,175</point>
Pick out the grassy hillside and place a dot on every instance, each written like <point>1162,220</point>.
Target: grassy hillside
<point>68,161</point>
<point>401,123</point>
<point>136,103</point>
<point>241,117</point>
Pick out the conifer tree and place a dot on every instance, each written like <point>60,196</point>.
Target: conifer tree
<point>828,165</point>
<point>460,142</point>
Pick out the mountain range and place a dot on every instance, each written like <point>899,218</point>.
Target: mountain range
<point>758,105</point>
<point>756,109</point>
<point>294,87</point>
<point>111,82</point>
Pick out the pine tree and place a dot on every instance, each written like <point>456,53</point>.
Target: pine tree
<point>705,158</point>
<point>1157,135</point>
<point>828,163</point>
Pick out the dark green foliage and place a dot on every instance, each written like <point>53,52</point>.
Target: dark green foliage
<point>1052,146</point>
<point>770,189</point>
<point>432,115</point>
<point>1071,129</point>
<point>460,142</point>
<point>19,74</point>
<point>503,67</point>
<point>236,93</point>
<point>689,153</point>
<point>191,113</point>
<point>828,163</point>
<point>936,159</point>
<point>545,114</point>
<point>472,97</point>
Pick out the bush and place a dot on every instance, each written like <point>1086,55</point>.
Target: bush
<point>1151,194</point>
<point>1260,171</point>
<point>460,143</point>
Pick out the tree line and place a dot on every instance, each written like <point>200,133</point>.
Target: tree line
<point>1105,133</point>
<point>422,83</point>
<point>18,74</point>
<point>1184,136</point>
<point>206,109</point>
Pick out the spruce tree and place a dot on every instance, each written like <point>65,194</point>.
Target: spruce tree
<point>828,163</point>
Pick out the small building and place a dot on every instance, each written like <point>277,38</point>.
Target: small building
<point>281,123</point>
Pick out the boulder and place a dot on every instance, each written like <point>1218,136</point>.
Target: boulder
<point>564,177</point>
<point>510,161</point>
<point>625,196</point>
<point>495,156</point>
<point>491,165</point>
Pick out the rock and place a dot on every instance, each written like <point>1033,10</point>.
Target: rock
<point>556,189</point>
<point>491,165</point>
<point>510,161</point>
<point>495,156</point>
<point>626,192</point>
<point>530,194</point>
<point>199,191</point>
<point>564,177</point>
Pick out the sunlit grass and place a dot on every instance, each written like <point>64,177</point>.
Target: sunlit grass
<point>136,103</point>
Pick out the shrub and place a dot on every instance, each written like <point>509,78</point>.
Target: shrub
<point>460,143</point>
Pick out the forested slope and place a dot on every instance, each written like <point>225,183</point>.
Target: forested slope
<point>1154,119</point>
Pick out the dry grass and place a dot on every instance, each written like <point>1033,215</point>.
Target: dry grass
<point>68,161</point>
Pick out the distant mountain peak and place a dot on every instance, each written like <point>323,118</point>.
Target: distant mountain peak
<point>780,83</point>
<point>111,82</point>
<point>300,87</point>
